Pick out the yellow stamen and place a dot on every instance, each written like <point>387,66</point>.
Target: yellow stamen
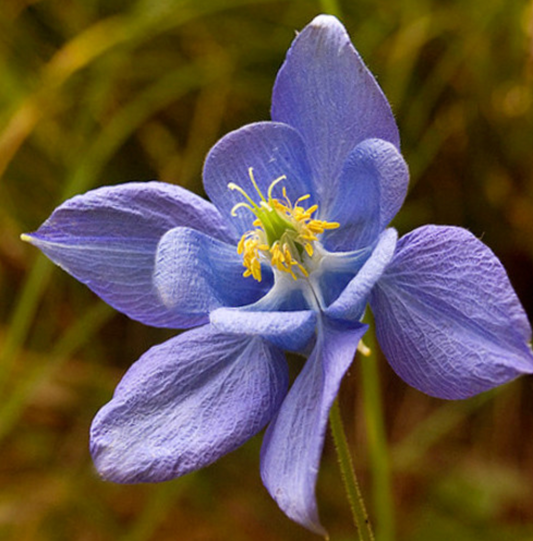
<point>271,187</point>
<point>239,205</point>
<point>251,175</point>
<point>236,187</point>
<point>303,270</point>
<point>303,198</point>
<point>284,234</point>
<point>240,246</point>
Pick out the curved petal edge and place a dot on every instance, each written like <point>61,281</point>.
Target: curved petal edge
<point>372,188</point>
<point>291,330</point>
<point>195,273</point>
<point>271,150</point>
<point>447,317</point>
<point>327,93</point>
<point>107,239</point>
<point>186,403</point>
<point>351,303</point>
<point>293,443</point>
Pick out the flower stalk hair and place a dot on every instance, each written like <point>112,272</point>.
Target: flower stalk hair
<point>292,247</point>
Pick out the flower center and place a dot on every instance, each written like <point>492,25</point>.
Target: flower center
<point>284,232</point>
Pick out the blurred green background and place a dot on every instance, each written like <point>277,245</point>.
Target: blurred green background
<point>96,92</point>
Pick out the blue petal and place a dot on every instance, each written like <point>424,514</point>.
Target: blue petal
<point>335,271</point>
<point>286,295</point>
<point>372,188</point>
<point>186,403</point>
<point>447,317</point>
<point>326,92</point>
<point>293,443</point>
<point>287,330</point>
<point>351,303</point>
<point>272,150</point>
<point>195,274</point>
<point>107,239</point>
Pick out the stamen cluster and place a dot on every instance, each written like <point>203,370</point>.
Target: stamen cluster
<point>284,232</point>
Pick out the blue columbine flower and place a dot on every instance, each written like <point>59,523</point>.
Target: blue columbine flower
<point>301,204</point>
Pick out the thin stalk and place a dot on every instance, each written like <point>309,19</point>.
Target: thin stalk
<point>379,456</point>
<point>349,478</point>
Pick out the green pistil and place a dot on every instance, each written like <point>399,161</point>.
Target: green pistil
<point>275,226</point>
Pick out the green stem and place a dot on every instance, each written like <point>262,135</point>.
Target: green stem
<point>349,478</point>
<point>377,441</point>
<point>331,7</point>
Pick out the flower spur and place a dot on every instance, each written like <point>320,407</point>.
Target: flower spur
<point>315,251</point>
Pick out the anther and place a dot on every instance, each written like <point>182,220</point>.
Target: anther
<point>284,233</point>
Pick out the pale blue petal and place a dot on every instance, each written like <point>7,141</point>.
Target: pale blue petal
<point>186,403</point>
<point>286,295</point>
<point>372,189</point>
<point>335,271</point>
<point>447,317</point>
<point>195,274</point>
<point>272,150</point>
<point>293,443</point>
<point>350,304</point>
<point>107,239</point>
<point>326,92</point>
<point>287,330</point>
